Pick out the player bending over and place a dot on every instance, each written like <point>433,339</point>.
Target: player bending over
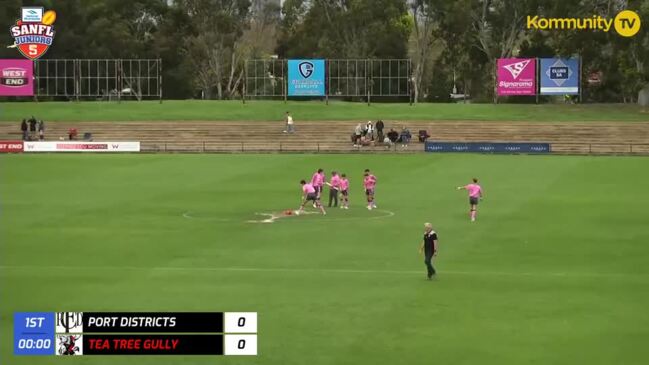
<point>475,194</point>
<point>309,194</point>
<point>369,184</point>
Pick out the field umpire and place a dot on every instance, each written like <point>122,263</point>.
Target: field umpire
<point>429,248</point>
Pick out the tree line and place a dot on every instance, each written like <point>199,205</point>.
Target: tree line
<point>452,43</point>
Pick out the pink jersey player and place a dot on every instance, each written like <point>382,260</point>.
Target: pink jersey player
<point>369,184</point>
<point>318,180</point>
<point>344,191</point>
<point>475,194</point>
<point>309,194</point>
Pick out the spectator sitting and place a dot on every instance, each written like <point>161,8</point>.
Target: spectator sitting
<point>393,136</point>
<point>72,134</point>
<point>41,130</point>
<point>423,135</point>
<point>405,137</point>
<point>24,129</point>
<point>387,142</point>
<point>365,141</point>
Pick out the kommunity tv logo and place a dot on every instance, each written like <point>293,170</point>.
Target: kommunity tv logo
<point>626,23</point>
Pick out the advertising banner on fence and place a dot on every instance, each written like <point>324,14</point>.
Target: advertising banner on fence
<point>487,147</point>
<point>306,77</point>
<point>16,77</point>
<point>516,76</point>
<point>11,146</point>
<point>73,146</point>
<point>559,76</point>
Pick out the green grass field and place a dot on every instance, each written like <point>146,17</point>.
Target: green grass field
<point>554,271</point>
<point>305,111</point>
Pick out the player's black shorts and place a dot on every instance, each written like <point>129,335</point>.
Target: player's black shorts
<point>344,192</point>
<point>311,196</point>
<point>369,191</point>
<point>318,189</point>
<point>473,200</point>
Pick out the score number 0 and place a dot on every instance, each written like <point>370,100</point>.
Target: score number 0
<point>240,329</point>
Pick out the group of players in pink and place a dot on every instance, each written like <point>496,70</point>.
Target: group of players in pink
<point>338,185</point>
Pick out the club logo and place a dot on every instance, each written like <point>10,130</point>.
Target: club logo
<point>559,73</point>
<point>13,77</point>
<point>70,345</point>
<point>306,69</point>
<point>33,33</point>
<point>516,68</point>
<point>69,322</point>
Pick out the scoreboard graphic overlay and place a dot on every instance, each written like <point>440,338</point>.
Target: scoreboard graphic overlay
<point>135,333</point>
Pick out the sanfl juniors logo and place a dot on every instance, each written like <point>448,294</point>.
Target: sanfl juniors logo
<point>34,33</point>
<point>516,68</point>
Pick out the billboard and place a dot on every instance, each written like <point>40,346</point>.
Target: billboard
<point>516,76</point>
<point>16,77</point>
<point>559,76</point>
<point>73,146</point>
<point>306,77</point>
<point>11,146</point>
<point>487,147</point>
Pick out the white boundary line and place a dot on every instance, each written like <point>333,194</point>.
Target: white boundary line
<point>333,271</point>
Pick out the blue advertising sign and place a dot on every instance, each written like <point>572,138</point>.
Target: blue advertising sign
<point>487,147</point>
<point>306,77</point>
<point>34,333</point>
<point>559,76</point>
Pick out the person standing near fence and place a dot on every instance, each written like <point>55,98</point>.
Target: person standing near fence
<point>24,128</point>
<point>290,127</point>
<point>379,130</point>
<point>370,131</point>
<point>41,130</point>
<point>32,128</point>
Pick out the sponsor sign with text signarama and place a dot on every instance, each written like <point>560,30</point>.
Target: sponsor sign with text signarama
<point>516,76</point>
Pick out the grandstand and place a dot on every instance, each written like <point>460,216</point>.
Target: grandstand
<point>334,136</point>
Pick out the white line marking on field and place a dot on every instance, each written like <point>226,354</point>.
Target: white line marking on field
<point>272,217</point>
<point>325,270</point>
<point>188,215</point>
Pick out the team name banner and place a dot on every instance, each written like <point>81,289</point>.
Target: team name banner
<point>306,77</point>
<point>559,76</point>
<point>516,76</point>
<point>110,333</point>
<point>487,147</point>
<point>72,146</point>
<point>16,77</point>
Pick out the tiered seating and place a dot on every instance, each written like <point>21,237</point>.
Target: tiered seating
<point>334,136</point>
